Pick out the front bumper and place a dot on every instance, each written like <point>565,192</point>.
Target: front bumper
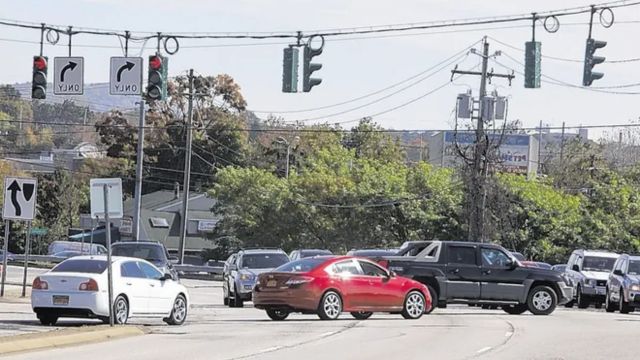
<point>566,293</point>
<point>594,290</point>
<point>634,299</point>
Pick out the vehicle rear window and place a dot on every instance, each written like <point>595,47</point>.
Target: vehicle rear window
<point>462,255</point>
<point>310,253</point>
<point>264,261</point>
<point>594,263</point>
<point>82,266</point>
<point>140,251</point>
<point>302,265</point>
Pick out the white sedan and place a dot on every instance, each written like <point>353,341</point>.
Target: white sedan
<point>78,287</point>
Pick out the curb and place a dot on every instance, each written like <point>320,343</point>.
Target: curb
<point>65,337</point>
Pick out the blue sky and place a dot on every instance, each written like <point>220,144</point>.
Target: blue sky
<point>351,68</point>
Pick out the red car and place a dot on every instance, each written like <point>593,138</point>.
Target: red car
<point>328,286</point>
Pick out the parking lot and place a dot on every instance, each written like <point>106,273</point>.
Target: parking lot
<point>214,331</point>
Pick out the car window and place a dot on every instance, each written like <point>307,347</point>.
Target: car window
<point>634,267</point>
<point>130,269</point>
<point>263,261</point>
<point>348,267</point>
<point>372,270</point>
<point>595,263</point>
<point>149,271</point>
<point>494,258</point>
<point>81,266</point>
<point>302,265</point>
<point>462,255</point>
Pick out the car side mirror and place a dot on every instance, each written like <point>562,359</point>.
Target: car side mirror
<point>575,267</point>
<point>166,277</point>
<point>392,274</point>
<point>618,272</point>
<point>174,260</point>
<point>233,267</point>
<point>511,264</point>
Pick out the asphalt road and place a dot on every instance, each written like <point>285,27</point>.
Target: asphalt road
<point>217,332</point>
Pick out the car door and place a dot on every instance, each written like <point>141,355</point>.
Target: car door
<point>226,273</point>
<point>355,288</point>
<point>462,272</point>
<point>500,280</point>
<point>386,291</point>
<point>160,293</point>
<point>135,287</point>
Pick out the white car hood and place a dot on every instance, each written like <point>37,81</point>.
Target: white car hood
<point>597,275</point>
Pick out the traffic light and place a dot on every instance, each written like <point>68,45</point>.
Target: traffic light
<point>157,87</point>
<point>290,70</point>
<point>39,80</point>
<point>532,57</point>
<point>308,68</point>
<point>590,61</point>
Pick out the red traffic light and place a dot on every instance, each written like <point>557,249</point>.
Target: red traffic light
<point>155,62</point>
<point>39,63</point>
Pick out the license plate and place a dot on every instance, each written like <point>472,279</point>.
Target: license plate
<point>60,300</point>
<point>602,291</point>
<point>272,283</point>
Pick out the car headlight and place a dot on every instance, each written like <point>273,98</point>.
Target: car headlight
<point>246,277</point>
<point>634,287</point>
<point>590,282</point>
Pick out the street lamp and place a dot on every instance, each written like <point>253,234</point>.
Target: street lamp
<point>282,140</point>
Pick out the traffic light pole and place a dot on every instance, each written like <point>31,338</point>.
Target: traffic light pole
<point>187,173</point>
<point>139,167</point>
<point>480,162</point>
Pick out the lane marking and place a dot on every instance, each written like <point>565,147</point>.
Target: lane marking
<point>483,350</point>
<point>328,334</point>
<point>275,348</point>
<point>508,334</point>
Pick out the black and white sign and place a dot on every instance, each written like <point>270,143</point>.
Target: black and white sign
<point>68,77</point>
<point>125,76</point>
<point>19,198</point>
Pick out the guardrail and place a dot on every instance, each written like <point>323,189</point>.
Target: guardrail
<point>40,258</point>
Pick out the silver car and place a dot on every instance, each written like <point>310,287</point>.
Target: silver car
<point>589,271</point>
<point>623,286</point>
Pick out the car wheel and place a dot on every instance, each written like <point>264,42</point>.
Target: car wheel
<point>47,319</point>
<point>608,305</point>
<point>120,310</point>
<point>598,305</point>
<point>581,300</point>
<point>330,306</point>
<point>277,315</point>
<point>414,305</point>
<point>362,315</point>
<point>178,312</point>
<point>237,300</point>
<point>623,306</point>
<point>515,309</point>
<point>542,300</point>
<point>434,299</point>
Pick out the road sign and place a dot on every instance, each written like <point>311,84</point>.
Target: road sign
<point>125,76</point>
<point>68,75</point>
<point>114,197</point>
<point>19,198</point>
<point>38,231</point>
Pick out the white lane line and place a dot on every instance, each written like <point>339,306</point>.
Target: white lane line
<point>508,334</point>
<point>483,350</point>
<point>328,334</point>
<point>270,349</point>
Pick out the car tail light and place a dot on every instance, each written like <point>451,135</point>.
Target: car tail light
<point>39,284</point>
<point>90,285</point>
<point>298,280</point>
<point>384,263</point>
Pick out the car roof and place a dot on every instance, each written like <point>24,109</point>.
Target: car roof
<point>262,251</point>
<point>141,242</point>
<point>600,253</point>
<point>104,257</point>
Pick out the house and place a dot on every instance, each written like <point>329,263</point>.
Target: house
<point>161,214</point>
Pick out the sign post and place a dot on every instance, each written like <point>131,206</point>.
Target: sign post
<point>19,204</point>
<point>27,250</point>
<point>106,200</point>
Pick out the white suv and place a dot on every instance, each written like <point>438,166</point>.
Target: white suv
<point>589,271</point>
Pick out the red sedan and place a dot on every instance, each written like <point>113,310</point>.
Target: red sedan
<point>328,286</point>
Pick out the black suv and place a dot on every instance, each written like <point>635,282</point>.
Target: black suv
<point>152,251</point>
<point>480,274</point>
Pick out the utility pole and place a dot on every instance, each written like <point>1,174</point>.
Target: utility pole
<point>480,161</point>
<point>562,144</point>
<point>540,148</point>
<point>139,167</point>
<point>187,173</point>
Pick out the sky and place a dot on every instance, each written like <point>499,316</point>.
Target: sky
<point>353,66</point>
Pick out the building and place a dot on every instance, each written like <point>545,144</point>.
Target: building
<point>517,153</point>
<point>49,161</point>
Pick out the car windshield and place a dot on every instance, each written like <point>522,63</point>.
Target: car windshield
<point>141,251</point>
<point>303,265</point>
<point>634,267</point>
<point>82,266</point>
<point>263,261</point>
<point>594,263</point>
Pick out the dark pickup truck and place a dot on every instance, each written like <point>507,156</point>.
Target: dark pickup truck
<point>479,274</point>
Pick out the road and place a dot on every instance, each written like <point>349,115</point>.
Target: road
<point>217,332</point>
